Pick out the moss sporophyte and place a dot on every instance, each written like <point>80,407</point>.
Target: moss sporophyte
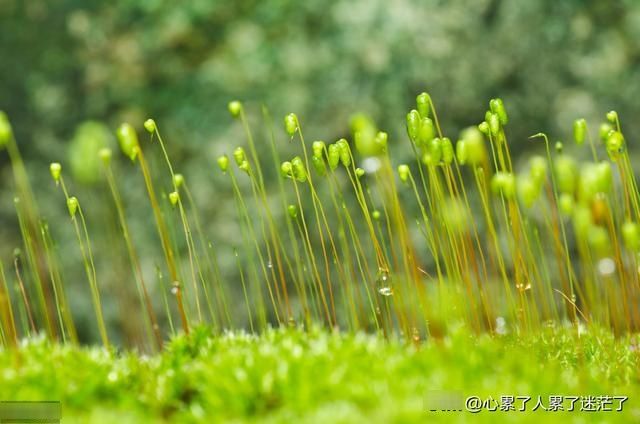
<point>347,237</point>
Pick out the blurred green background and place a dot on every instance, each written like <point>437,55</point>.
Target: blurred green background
<point>66,62</point>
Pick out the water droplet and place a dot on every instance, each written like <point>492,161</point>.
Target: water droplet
<point>175,289</point>
<point>606,266</point>
<point>523,286</point>
<point>501,326</point>
<point>269,264</point>
<point>385,291</point>
<point>383,282</point>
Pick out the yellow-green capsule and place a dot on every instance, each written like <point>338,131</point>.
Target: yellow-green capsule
<point>579,131</point>
<point>528,191</point>
<point>235,107</point>
<point>474,145</point>
<point>631,235</point>
<point>318,164</point>
<point>318,148</point>
<point>360,172</point>
<point>105,155</point>
<point>426,133</point>
<point>286,169</point>
<point>56,169</point>
<point>403,172</point>
<point>494,124</point>
<point>344,151</point>
<point>5,129</point>
<point>150,126</point>
<point>173,198</point>
<point>423,102</point>
<point>605,130</point>
<point>461,152</point>
<point>239,155</point>
<point>497,107</point>
<point>223,163</point>
<point>504,183</point>
<point>433,152</point>
<point>413,125</point>
<point>615,144</point>
<point>128,140</point>
<point>538,169</point>
<point>293,211</point>
<point>291,124</point>
<point>565,204</point>
<point>178,180</point>
<point>484,127</point>
<point>603,177</point>
<point>72,205</point>
<point>244,166</point>
<point>333,156</point>
<point>612,116</point>
<point>381,141</point>
<point>565,173</point>
<point>299,171</point>
<point>598,239</point>
<point>375,215</point>
<point>447,151</point>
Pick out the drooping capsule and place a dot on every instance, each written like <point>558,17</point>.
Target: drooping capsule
<point>299,171</point>
<point>128,140</point>
<point>223,163</point>
<point>433,152</point>
<point>56,169</point>
<point>461,152</point>
<point>474,145</point>
<point>318,164</point>
<point>604,131</point>
<point>150,126</point>
<point>612,116</point>
<point>423,103</point>
<point>403,172</point>
<point>615,144</point>
<point>5,129</point>
<point>178,180</point>
<point>239,155</point>
<point>286,169</point>
<point>631,235</point>
<point>504,183</point>
<point>291,124</point>
<point>72,205</point>
<point>173,198</point>
<point>497,107</point>
<point>381,141</point>
<point>333,156</point>
<point>494,124</point>
<point>292,210</point>
<point>426,133</point>
<point>447,150</point>
<point>105,155</point>
<point>579,131</point>
<point>235,107</point>
<point>413,125</point>
<point>344,151</point>
<point>318,148</point>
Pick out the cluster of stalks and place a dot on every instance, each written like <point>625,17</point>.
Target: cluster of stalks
<point>354,242</point>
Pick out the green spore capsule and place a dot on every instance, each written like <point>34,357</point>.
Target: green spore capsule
<point>128,140</point>
<point>612,116</point>
<point>603,177</point>
<point>173,198</point>
<point>376,215</point>
<point>566,173</point>
<point>559,147</point>
<point>474,145</point>
<point>178,180</point>
<point>235,108</point>
<point>299,171</point>
<point>105,155</point>
<point>433,153</point>
<point>244,166</point>
<point>484,127</point>
<point>497,107</point>
<point>333,156</point>
<point>504,183</point>
<point>404,172</point>
<point>344,151</point>
<point>381,141</point>
<point>604,131</point>
<point>360,172</point>
<point>286,169</point>
<point>223,163</point>
<point>598,240</point>
<point>579,131</point>
<point>292,210</point>
<point>413,125</point>
<point>427,132</point>
<point>615,145</point>
<point>631,235</point>
<point>318,148</point>
<point>56,169</point>
<point>239,155</point>
<point>5,129</point>
<point>318,164</point>
<point>538,169</point>
<point>566,204</point>
<point>72,205</point>
<point>528,191</point>
<point>494,124</point>
<point>447,150</point>
<point>461,152</point>
<point>423,103</point>
<point>291,124</point>
<point>150,126</point>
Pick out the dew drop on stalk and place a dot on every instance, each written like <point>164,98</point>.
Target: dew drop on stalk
<point>176,288</point>
<point>269,264</point>
<point>384,283</point>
